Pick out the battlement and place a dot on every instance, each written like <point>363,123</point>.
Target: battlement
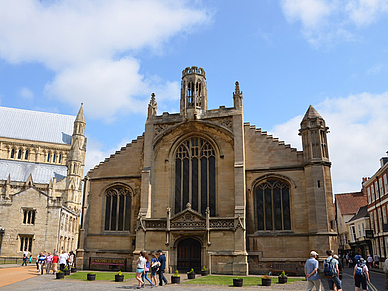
<point>193,70</point>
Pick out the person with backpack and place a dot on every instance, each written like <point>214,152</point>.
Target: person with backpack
<point>361,275</point>
<point>330,271</point>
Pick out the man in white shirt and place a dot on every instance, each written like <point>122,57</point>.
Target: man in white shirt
<point>63,260</point>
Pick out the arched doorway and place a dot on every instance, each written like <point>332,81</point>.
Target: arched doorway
<point>189,255</point>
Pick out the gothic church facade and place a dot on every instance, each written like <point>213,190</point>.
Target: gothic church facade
<point>42,157</point>
<point>209,190</point>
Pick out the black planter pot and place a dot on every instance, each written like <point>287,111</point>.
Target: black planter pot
<point>91,277</point>
<point>74,270</point>
<point>66,272</point>
<point>119,278</point>
<point>238,282</point>
<point>282,280</point>
<point>205,273</point>
<point>60,275</point>
<point>190,275</point>
<point>266,282</point>
<point>175,280</point>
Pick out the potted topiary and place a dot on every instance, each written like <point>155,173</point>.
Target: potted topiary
<point>266,281</point>
<point>59,275</point>
<point>238,282</point>
<point>175,279</point>
<point>91,276</point>
<point>191,274</point>
<point>204,271</point>
<point>73,269</point>
<point>282,279</point>
<point>66,271</point>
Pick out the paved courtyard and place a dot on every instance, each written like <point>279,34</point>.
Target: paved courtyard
<point>25,278</point>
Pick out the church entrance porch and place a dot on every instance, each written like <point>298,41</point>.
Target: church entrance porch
<point>189,255</point>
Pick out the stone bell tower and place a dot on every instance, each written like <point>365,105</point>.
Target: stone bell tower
<point>193,93</point>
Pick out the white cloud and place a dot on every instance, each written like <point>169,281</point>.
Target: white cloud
<point>92,45</point>
<point>365,12</point>
<point>357,138</point>
<point>26,93</point>
<point>327,22</point>
<point>375,69</point>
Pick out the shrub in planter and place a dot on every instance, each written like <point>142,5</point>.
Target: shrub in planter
<point>74,270</point>
<point>282,279</point>
<point>66,271</point>
<point>238,282</point>
<point>119,277</point>
<point>175,279</point>
<point>59,275</point>
<point>204,271</point>
<point>191,274</point>
<point>266,281</point>
<point>91,276</point>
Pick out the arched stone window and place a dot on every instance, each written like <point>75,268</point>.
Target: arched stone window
<point>12,154</point>
<point>117,208</point>
<point>26,155</point>
<point>195,177</point>
<point>272,205</point>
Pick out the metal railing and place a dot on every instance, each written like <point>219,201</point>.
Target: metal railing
<point>11,260</point>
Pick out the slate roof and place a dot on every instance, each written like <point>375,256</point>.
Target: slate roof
<point>361,213</point>
<point>348,203</point>
<point>36,126</point>
<point>41,173</point>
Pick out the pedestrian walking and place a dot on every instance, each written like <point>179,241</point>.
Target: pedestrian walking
<point>154,268</point>
<point>49,259</point>
<point>42,260</point>
<point>386,272</point>
<point>162,261</point>
<point>63,260</point>
<point>370,261</point>
<point>361,275</point>
<point>311,272</point>
<point>55,263</point>
<point>331,271</point>
<point>377,260</point>
<point>140,265</point>
<point>146,270</point>
<point>25,258</point>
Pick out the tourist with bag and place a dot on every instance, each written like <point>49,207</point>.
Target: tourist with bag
<point>361,275</point>
<point>331,271</point>
<point>154,269</point>
<point>146,270</point>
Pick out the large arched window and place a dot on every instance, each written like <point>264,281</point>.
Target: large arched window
<point>195,176</point>
<point>273,205</point>
<point>117,209</point>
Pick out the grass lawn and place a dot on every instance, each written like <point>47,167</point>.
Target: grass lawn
<point>106,276</point>
<point>228,280</point>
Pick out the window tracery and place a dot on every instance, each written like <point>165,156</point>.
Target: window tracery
<point>195,176</point>
<point>273,205</point>
<point>117,209</point>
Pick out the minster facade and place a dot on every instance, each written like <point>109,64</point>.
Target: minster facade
<point>209,190</point>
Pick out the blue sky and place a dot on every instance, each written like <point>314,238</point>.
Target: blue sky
<point>287,54</point>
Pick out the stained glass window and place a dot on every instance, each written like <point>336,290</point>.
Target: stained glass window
<point>117,209</point>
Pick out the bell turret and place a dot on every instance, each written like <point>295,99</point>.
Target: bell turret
<point>193,93</point>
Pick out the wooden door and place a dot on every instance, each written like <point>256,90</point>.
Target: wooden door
<point>189,255</point>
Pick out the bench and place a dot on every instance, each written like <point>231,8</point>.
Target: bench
<point>277,268</point>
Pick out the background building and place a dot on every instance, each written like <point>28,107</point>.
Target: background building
<point>42,159</point>
<point>376,188</point>
<point>210,190</point>
<point>347,205</point>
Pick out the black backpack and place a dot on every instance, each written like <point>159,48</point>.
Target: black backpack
<point>328,269</point>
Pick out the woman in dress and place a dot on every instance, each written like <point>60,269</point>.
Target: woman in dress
<point>140,264</point>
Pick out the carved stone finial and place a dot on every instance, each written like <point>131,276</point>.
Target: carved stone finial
<point>188,205</point>
<point>237,89</point>
<point>152,106</point>
<point>152,98</point>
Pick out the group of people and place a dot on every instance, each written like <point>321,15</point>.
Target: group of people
<point>156,265</point>
<point>333,272</point>
<point>51,261</point>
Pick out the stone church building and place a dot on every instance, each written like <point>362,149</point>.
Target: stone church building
<point>209,190</point>
<point>42,158</point>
